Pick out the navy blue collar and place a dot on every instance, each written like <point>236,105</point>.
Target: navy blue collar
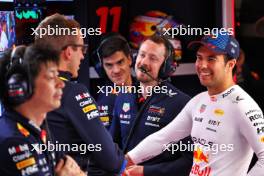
<point>65,75</point>
<point>26,123</point>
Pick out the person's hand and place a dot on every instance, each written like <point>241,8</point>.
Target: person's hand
<point>129,161</point>
<point>68,167</point>
<point>135,170</point>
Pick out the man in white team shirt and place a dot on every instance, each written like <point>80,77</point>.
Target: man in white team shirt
<point>225,123</point>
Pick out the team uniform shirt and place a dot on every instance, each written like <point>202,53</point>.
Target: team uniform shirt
<point>138,119</point>
<point>77,122</point>
<point>20,148</point>
<point>106,101</point>
<point>106,104</point>
<point>226,128</point>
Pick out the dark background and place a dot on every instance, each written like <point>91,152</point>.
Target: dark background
<point>197,13</point>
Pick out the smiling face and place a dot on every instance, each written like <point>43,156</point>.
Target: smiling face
<point>117,68</point>
<point>150,56</point>
<point>213,71</point>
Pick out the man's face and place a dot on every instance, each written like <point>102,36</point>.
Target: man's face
<point>48,88</point>
<point>76,56</point>
<point>211,68</point>
<point>117,68</point>
<point>150,56</point>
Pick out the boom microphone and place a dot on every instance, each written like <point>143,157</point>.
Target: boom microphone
<point>143,70</point>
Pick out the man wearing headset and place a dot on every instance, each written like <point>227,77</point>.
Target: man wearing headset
<point>30,88</point>
<point>137,114</point>
<point>115,59</point>
<point>77,120</point>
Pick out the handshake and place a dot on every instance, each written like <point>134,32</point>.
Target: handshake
<point>130,169</point>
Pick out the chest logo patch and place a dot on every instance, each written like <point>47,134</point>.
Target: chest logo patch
<point>219,112</point>
<point>126,107</point>
<point>156,110</point>
<point>202,108</point>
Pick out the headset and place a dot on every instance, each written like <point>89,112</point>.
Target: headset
<point>169,65</point>
<point>98,52</point>
<point>108,39</point>
<point>18,86</point>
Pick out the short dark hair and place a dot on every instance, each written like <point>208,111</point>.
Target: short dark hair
<point>159,39</point>
<point>37,55</point>
<point>227,58</point>
<point>113,43</point>
<point>33,57</point>
<point>58,21</point>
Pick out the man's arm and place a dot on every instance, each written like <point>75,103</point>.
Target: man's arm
<point>253,134</point>
<point>157,142</point>
<point>85,119</point>
<point>180,164</point>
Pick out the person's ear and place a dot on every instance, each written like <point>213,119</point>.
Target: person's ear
<point>67,52</point>
<point>232,63</point>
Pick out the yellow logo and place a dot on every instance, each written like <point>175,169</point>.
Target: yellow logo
<point>89,108</point>
<point>262,139</point>
<point>104,119</point>
<point>219,112</point>
<point>23,130</point>
<point>25,163</point>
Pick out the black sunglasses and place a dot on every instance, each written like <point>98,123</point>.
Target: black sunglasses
<point>84,47</point>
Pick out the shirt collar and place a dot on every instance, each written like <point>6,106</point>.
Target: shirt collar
<point>65,75</point>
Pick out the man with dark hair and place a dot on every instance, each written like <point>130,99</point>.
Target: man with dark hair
<point>30,88</point>
<point>77,120</point>
<point>138,114</point>
<point>225,123</point>
<point>115,59</point>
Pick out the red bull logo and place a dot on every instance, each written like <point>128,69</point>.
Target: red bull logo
<point>199,156</point>
<point>201,172</point>
<point>23,130</point>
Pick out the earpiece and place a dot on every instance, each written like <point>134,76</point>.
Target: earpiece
<point>18,87</point>
<point>169,65</point>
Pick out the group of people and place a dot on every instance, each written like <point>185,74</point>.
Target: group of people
<point>224,125</point>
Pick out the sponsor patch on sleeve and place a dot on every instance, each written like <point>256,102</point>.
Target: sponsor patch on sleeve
<point>25,163</point>
<point>89,108</point>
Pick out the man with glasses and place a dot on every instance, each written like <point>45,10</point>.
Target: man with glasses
<point>76,121</point>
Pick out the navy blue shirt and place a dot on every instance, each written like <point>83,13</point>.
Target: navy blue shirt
<point>106,104</point>
<point>77,122</point>
<point>20,140</point>
<point>134,121</point>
